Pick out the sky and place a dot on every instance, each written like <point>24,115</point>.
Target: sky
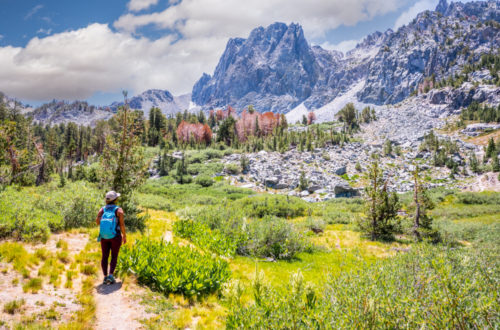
<point>93,49</point>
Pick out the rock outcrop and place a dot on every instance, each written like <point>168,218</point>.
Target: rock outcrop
<point>275,69</point>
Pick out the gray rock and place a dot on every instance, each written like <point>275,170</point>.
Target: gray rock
<point>340,170</point>
<point>344,190</point>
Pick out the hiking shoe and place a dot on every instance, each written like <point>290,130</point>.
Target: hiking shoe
<point>106,280</point>
<point>111,279</point>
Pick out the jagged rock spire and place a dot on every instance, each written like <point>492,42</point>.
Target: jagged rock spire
<point>442,6</point>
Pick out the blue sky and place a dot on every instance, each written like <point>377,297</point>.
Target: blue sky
<point>93,49</point>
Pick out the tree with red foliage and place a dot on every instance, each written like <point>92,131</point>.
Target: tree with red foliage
<point>199,132</point>
<point>311,118</point>
<point>267,122</point>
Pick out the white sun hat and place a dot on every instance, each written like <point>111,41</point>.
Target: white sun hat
<point>112,195</point>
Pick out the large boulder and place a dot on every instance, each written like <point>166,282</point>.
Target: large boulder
<point>344,190</point>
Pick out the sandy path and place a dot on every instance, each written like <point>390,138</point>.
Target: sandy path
<point>115,308</point>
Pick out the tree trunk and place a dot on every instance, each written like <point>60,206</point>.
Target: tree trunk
<point>416,224</point>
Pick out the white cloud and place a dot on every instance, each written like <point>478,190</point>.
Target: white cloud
<point>237,17</point>
<point>138,5</point>
<point>33,11</point>
<point>342,46</point>
<point>44,31</point>
<point>412,12</point>
<point>76,64</point>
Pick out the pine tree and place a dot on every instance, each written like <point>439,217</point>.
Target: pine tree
<point>381,206</point>
<point>303,182</point>
<point>124,165</point>
<point>473,163</point>
<point>387,147</point>
<point>490,149</point>
<point>422,225</point>
<point>181,169</point>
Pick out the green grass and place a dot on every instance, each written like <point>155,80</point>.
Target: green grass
<point>14,306</point>
<point>33,285</point>
<point>178,196</point>
<point>32,213</point>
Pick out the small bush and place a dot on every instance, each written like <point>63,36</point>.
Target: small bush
<point>479,198</point>
<point>169,268</point>
<point>14,306</point>
<point>338,217</point>
<point>275,205</point>
<point>207,239</point>
<point>232,169</point>
<point>204,181</point>
<point>33,285</point>
<point>88,270</point>
<point>273,237</point>
<point>155,202</point>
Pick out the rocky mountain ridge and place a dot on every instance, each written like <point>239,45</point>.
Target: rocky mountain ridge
<point>162,99</point>
<point>275,69</point>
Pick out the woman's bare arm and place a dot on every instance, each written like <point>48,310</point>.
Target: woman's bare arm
<point>121,218</point>
<point>99,216</point>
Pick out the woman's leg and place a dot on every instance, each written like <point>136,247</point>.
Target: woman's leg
<point>115,248</point>
<point>105,248</point>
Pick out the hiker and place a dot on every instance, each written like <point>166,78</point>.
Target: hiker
<point>111,234</point>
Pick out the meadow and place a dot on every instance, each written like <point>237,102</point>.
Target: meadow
<point>238,259</point>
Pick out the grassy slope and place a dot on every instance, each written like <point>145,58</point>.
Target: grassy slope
<point>341,249</point>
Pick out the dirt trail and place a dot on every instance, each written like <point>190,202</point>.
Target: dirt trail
<point>115,309</point>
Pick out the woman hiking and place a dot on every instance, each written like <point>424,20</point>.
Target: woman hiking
<point>111,234</point>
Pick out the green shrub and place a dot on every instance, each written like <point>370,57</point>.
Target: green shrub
<point>204,181</point>
<point>169,268</point>
<point>155,202</point>
<point>31,213</point>
<point>232,168</point>
<point>341,217</point>
<point>14,306</point>
<point>273,237</point>
<point>276,205</point>
<point>479,198</point>
<point>81,210</point>
<point>33,285</point>
<point>207,239</point>
<point>458,287</point>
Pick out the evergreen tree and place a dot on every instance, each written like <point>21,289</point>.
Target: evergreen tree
<point>181,169</point>
<point>124,165</point>
<point>422,224</point>
<point>387,147</point>
<point>381,207</point>
<point>473,163</point>
<point>491,149</point>
<point>349,116</point>
<point>303,182</point>
<point>226,132</point>
<point>244,163</point>
<point>495,164</point>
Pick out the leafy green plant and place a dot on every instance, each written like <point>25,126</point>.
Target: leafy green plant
<point>170,268</point>
<point>204,181</point>
<point>208,239</point>
<point>273,237</point>
<point>457,287</point>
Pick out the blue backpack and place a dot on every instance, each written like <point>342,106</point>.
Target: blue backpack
<point>109,221</point>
